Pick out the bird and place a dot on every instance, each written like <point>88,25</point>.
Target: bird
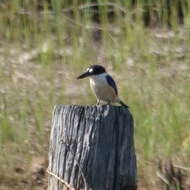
<point>102,84</point>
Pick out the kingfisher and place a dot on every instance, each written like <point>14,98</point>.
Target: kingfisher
<point>102,84</point>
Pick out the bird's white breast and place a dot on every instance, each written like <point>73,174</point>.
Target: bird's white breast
<point>98,80</point>
<point>101,88</point>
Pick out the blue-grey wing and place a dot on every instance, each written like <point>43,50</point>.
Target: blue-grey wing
<point>111,82</point>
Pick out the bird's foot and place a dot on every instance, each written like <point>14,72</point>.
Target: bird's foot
<point>98,102</point>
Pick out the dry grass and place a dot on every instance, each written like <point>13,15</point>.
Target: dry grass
<point>40,56</point>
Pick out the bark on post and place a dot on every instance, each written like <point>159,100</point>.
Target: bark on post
<point>92,148</point>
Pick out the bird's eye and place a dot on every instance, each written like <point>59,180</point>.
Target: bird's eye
<point>90,70</point>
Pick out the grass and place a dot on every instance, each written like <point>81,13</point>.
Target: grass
<point>41,55</point>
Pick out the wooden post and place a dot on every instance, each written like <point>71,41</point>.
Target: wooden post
<point>92,148</point>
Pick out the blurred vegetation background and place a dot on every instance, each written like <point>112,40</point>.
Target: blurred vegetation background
<point>144,44</point>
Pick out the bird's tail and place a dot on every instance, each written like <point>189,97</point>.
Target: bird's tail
<point>123,104</point>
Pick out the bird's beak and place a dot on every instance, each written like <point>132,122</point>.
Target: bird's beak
<point>84,75</point>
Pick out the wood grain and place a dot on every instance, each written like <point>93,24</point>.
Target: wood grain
<point>92,147</point>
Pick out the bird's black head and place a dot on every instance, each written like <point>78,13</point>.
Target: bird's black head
<point>92,70</point>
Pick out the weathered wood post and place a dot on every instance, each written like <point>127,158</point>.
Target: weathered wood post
<point>92,148</point>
